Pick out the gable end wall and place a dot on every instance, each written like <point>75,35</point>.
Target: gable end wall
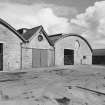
<point>11,49</point>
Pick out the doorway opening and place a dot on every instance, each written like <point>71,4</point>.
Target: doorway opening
<point>39,58</point>
<point>68,57</point>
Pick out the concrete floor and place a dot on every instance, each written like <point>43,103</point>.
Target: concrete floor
<point>68,85</point>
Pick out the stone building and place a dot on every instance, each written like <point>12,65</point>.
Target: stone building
<point>31,48</point>
<point>54,50</point>
<point>71,49</point>
<point>10,47</point>
<point>39,51</point>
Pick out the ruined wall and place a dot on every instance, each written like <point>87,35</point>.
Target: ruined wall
<point>11,49</point>
<point>70,43</point>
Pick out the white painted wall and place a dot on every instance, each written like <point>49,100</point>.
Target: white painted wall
<point>11,49</point>
<point>36,44</point>
<point>69,43</point>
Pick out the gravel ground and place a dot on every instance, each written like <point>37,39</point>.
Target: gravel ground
<point>68,85</point>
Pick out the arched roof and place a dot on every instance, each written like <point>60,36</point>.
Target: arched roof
<point>4,23</point>
<point>72,34</point>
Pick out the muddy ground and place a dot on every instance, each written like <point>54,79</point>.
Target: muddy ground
<point>69,85</point>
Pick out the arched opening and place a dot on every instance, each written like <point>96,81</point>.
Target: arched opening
<point>68,57</point>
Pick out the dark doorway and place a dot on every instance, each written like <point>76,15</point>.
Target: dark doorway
<point>98,60</point>
<point>1,56</point>
<point>68,57</point>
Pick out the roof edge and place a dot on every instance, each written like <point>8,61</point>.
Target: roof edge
<point>45,34</point>
<point>72,34</point>
<point>34,35</point>
<point>4,23</point>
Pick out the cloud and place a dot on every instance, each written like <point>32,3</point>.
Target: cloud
<point>64,11</point>
<point>57,19</point>
<point>93,23</point>
<point>51,22</point>
<point>22,15</point>
<point>59,10</point>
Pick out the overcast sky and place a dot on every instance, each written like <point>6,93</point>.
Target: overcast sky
<point>80,5</point>
<point>84,17</point>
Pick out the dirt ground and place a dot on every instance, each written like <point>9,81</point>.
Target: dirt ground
<point>68,85</point>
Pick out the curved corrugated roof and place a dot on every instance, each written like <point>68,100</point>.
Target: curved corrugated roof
<point>57,37</point>
<point>4,23</point>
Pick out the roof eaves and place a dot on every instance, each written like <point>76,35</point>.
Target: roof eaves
<point>45,34</point>
<point>73,34</point>
<point>55,37</point>
<point>12,29</point>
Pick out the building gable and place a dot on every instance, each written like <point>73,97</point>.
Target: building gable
<point>10,28</point>
<point>39,41</point>
<point>29,34</point>
<point>11,48</point>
